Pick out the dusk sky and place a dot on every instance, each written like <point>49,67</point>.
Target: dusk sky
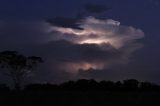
<point>93,39</point>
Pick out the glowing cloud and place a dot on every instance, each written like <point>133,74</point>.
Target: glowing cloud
<point>75,67</point>
<point>96,31</point>
<point>107,37</point>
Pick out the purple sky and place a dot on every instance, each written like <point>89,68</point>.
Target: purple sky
<point>24,27</point>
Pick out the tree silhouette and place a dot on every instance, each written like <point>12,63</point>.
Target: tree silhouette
<point>17,66</point>
<point>130,84</point>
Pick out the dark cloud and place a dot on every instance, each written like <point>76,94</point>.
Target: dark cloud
<point>74,22</point>
<point>94,8</point>
<point>64,51</point>
<point>17,32</point>
<point>65,22</point>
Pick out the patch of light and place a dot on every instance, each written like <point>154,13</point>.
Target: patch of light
<point>73,31</point>
<point>75,67</point>
<point>94,41</point>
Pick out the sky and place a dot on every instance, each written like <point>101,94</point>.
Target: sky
<point>93,39</point>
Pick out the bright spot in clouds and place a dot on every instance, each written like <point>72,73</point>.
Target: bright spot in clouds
<point>99,32</point>
<point>96,31</point>
<point>75,67</point>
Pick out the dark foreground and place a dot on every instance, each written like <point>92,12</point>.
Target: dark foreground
<point>79,98</point>
<point>83,93</point>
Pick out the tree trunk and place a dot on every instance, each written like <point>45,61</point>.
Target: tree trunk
<point>17,83</point>
<point>17,86</point>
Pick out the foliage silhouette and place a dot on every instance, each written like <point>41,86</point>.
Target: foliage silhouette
<point>130,84</point>
<point>4,88</point>
<point>17,66</point>
<point>87,85</point>
<point>83,93</point>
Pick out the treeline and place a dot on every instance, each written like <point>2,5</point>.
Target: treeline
<point>84,85</point>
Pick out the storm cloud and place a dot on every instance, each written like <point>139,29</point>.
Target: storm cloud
<point>98,45</point>
<point>23,32</point>
<point>94,8</point>
<point>94,44</point>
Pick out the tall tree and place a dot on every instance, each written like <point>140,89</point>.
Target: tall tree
<point>17,66</point>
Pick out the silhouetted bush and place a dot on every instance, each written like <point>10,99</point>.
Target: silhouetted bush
<point>106,85</point>
<point>93,84</point>
<point>70,85</point>
<point>130,84</point>
<point>147,86</point>
<point>84,85</point>
<point>4,88</point>
<point>41,87</point>
<point>118,86</point>
<point>83,93</point>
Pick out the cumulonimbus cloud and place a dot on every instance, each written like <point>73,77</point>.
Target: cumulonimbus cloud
<point>100,31</point>
<point>94,44</point>
<point>100,43</point>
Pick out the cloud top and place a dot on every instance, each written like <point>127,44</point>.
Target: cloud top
<point>96,31</point>
<point>98,44</point>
